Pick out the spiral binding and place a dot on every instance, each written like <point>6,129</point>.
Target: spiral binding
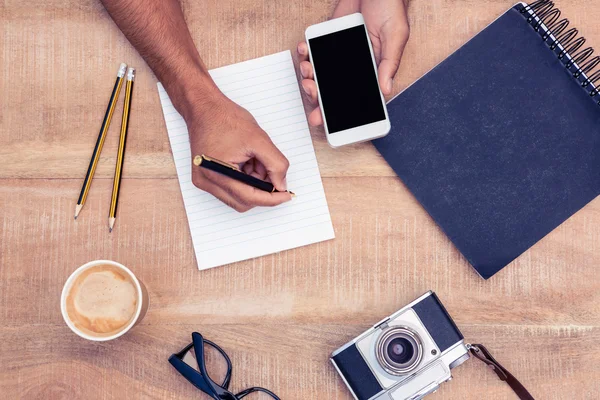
<point>543,16</point>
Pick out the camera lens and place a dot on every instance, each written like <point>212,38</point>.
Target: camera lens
<point>399,350</point>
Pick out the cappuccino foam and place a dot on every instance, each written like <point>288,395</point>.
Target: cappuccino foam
<point>102,300</point>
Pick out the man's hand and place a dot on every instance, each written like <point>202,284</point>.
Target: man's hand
<point>217,126</point>
<point>388,29</point>
<point>227,132</point>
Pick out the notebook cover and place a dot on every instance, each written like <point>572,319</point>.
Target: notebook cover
<point>499,143</point>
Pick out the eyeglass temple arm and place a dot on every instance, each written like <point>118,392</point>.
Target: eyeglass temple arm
<point>227,378</point>
<point>187,348</point>
<point>198,341</point>
<point>248,391</point>
<point>190,374</point>
<point>200,379</point>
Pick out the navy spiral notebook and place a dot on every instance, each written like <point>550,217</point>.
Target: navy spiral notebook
<point>501,142</point>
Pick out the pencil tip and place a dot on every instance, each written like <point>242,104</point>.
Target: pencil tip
<point>78,208</point>
<point>109,230</point>
<point>75,217</point>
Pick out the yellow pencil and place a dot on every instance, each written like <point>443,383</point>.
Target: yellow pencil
<point>112,215</point>
<point>100,141</point>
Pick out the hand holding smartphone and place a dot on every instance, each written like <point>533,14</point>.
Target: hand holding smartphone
<point>345,73</point>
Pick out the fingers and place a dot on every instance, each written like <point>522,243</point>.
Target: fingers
<point>201,182</point>
<point>255,169</point>
<point>393,42</point>
<point>310,88</point>
<point>306,70</point>
<point>260,171</point>
<point>273,160</point>
<point>246,195</point>
<point>238,195</point>
<point>308,84</point>
<point>248,166</point>
<point>315,118</point>
<point>302,52</point>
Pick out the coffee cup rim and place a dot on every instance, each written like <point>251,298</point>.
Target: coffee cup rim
<point>67,285</point>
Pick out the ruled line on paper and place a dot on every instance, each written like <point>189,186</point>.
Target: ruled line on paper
<point>233,219</point>
<point>233,214</point>
<point>267,87</point>
<point>270,234</point>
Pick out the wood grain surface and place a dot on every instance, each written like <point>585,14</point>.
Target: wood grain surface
<point>278,316</point>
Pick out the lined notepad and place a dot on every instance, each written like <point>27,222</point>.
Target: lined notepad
<point>267,87</point>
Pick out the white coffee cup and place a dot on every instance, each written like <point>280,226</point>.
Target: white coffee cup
<point>141,305</point>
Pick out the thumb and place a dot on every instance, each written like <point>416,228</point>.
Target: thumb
<point>392,46</point>
<point>274,162</point>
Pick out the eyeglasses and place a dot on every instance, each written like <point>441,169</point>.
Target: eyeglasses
<point>194,353</point>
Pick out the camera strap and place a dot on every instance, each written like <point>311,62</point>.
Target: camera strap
<point>480,352</point>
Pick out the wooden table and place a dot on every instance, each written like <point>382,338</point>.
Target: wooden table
<point>279,316</point>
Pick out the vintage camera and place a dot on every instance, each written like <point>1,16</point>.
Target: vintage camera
<point>405,356</point>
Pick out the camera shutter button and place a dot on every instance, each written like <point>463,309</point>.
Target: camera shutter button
<point>381,323</point>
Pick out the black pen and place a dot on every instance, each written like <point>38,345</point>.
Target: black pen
<point>234,172</point>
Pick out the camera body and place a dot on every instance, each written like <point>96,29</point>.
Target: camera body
<point>405,356</point>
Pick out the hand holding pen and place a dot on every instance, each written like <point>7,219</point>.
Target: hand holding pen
<point>233,172</point>
<point>228,132</point>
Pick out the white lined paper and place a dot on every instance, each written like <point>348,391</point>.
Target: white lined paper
<point>267,87</point>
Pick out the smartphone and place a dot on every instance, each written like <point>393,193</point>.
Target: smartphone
<point>352,104</point>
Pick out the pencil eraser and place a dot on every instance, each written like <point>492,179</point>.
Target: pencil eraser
<point>130,74</point>
<point>122,69</point>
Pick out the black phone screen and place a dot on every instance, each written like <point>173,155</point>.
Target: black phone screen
<point>348,84</point>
